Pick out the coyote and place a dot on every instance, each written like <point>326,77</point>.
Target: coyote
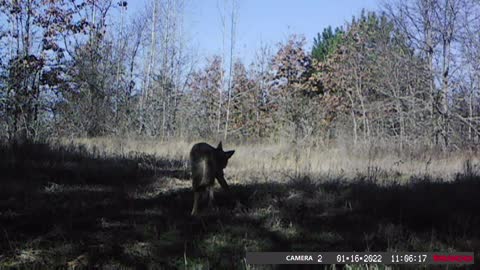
<point>207,163</point>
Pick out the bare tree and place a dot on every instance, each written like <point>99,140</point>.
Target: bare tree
<point>232,47</point>
<point>434,28</point>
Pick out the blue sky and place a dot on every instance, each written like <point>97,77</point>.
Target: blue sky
<point>262,21</point>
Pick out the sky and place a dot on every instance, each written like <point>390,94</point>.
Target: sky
<point>262,22</point>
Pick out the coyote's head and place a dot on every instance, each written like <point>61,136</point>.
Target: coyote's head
<point>222,157</point>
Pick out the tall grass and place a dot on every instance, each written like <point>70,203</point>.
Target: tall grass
<point>274,161</point>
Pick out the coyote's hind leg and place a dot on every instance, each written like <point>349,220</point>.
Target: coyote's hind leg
<point>210,197</point>
<point>196,196</point>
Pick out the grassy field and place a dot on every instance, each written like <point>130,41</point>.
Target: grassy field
<point>125,204</point>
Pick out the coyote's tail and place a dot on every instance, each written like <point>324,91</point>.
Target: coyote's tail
<point>204,168</point>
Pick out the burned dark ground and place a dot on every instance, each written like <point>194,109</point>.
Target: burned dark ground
<point>67,207</point>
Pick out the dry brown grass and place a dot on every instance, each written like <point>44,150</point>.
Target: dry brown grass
<point>272,162</point>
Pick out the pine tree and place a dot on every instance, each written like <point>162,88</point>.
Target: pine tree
<point>326,43</point>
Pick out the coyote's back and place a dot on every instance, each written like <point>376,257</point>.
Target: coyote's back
<point>207,163</point>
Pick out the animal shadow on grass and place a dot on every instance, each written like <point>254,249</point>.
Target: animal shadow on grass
<point>69,207</point>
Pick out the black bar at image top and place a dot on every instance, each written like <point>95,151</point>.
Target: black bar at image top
<point>359,258</point>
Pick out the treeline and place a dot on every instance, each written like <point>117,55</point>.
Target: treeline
<point>408,75</point>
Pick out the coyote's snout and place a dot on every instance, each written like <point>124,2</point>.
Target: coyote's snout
<point>207,163</point>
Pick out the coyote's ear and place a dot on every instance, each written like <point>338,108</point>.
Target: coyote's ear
<point>229,153</point>
<point>219,147</point>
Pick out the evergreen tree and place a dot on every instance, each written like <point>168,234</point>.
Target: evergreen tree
<point>326,43</point>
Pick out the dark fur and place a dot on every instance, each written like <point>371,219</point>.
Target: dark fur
<point>207,164</point>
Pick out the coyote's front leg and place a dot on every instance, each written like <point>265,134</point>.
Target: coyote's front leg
<point>223,182</point>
